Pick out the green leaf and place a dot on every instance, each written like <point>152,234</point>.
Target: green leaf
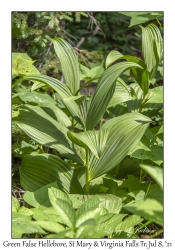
<point>104,91</point>
<point>15,205</point>
<point>67,233</point>
<point>128,224</point>
<point>148,105</point>
<point>155,192</point>
<point>38,170</point>
<point>35,97</point>
<point>150,209</point>
<point>63,206</point>
<point>130,129</point>
<point>22,64</point>
<point>94,140</point>
<point>57,85</point>
<point>106,225</point>
<point>133,184</point>
<point>50,226</point>
<point>23,148</point>
<point>26,211</point>
<point>127,167</point>
<point>39,198</point>
<point>145,149</point>
<point>69,63</point>
<point>152,47</point>
<point>90,204</point>
<point>156,95</point>
<point>86,227</point>
<point>111,202</point>
<point>122,93</point>
<point>57,114</point>
<point>112,57</point>
<point>46,214</point>
<point>91,214</point>
<point>141,17</point>
<point>155,172</point>
<point>42,128</point>
<point>63,92</point>
<point>91,74</point>
<point>138,195</point>
<point>37,85</point>
<point>22,224</point>
<point>140,73</point>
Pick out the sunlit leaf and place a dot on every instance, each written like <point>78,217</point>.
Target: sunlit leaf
<point>155,172</point>
<point>45,130</point>
<point>150,209</point>
<point>152,47</point>
<point>63,207</point>
<point>69,63</point>
<point>94,140</point>
<point>104,91</point>
<point>124,133</point>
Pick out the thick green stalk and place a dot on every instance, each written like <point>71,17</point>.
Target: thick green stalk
<point>87,186</point>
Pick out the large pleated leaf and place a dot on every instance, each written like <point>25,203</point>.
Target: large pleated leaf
<point>152,47</point>
<point>153,101</point>
<point>57,114</point>
<point>57,85</point>
<point>45,130</point>
<point>140,74</point>
<point>63,206</point>
<point>122,93</point>
<point>39,170</point>
<point>134,104</point>
<point>94,140</point>
<point>124,134</point>
<point>112,57</point>
<point>63,91</point>
<point>77,106</point>
<point>69,63</point>
<point>104,91</point>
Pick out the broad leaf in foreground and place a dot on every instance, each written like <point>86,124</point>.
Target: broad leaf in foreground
<point>39,170</point>
<point>124,134</point>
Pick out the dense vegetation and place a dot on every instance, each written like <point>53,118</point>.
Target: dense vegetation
<point>87,125</point>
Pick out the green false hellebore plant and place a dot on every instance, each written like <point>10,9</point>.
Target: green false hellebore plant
<point>88,145</point>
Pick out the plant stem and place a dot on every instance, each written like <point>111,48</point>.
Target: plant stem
<point>87,186</point>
